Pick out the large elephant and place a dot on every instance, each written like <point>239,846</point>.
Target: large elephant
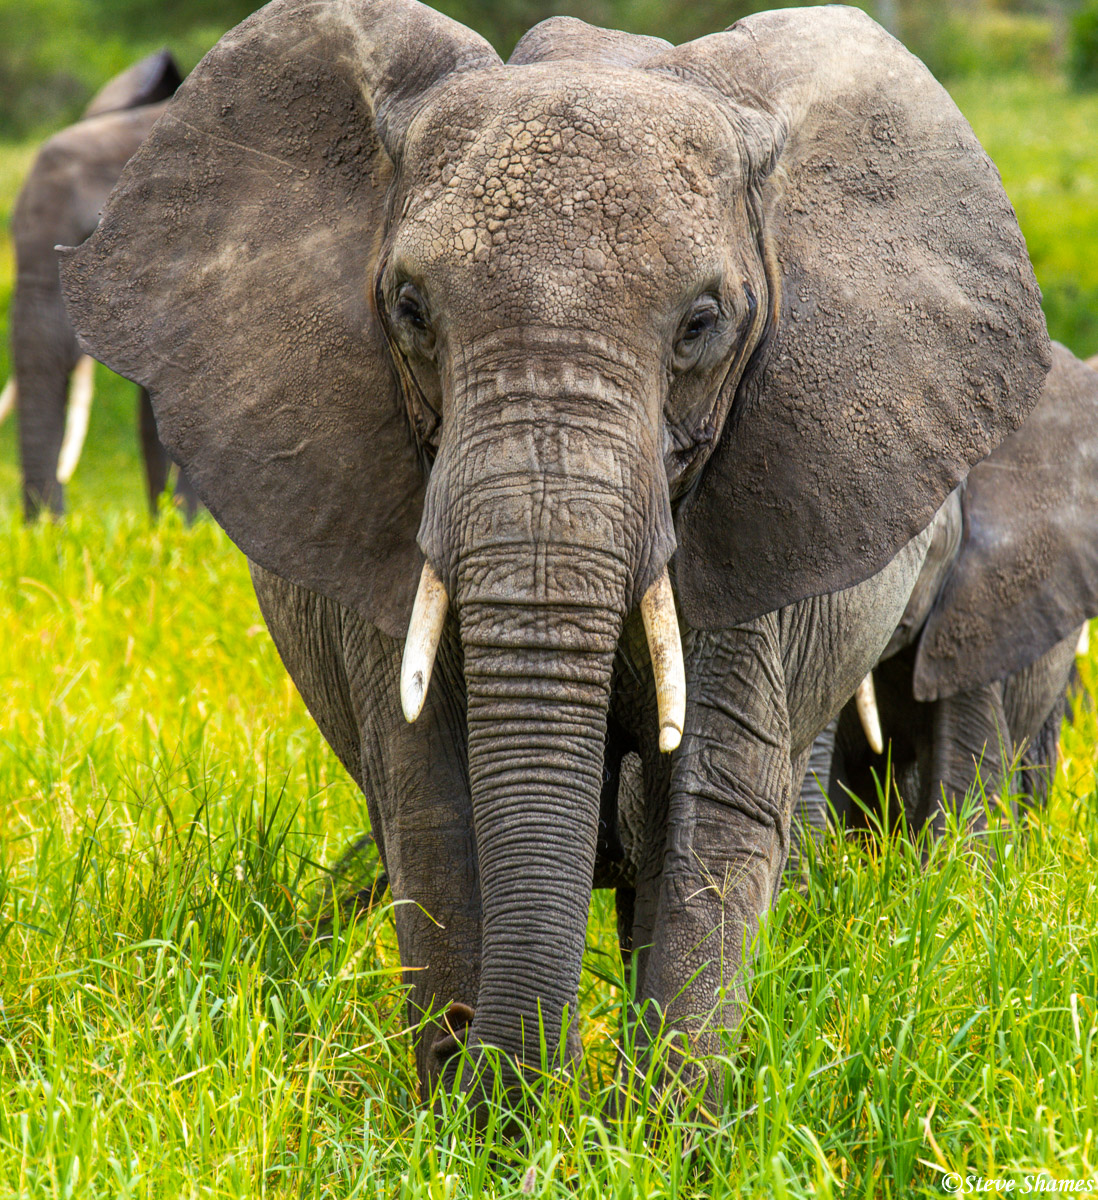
<point>59,203</point>
<point>613,331</point>
<point>978,670</point>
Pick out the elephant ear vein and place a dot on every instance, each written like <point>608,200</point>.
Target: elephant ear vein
<point>232,274</point>
<point>908,341</point>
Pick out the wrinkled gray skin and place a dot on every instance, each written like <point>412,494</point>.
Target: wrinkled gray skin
<point>59,204</point>
<point>979,669</point>
<point>749,308</point>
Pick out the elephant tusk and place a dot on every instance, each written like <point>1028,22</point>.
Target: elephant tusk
<point>7,400</point>
<point>661,626</point>
<point>76,423</point>
<point>865,700</point>
<point>421,645</point>
<point>1082,647</point>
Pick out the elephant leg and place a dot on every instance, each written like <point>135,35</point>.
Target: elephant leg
<point>157,462</point>
<point>814,804</point>
<point>45,352</point>
<point>185,495</point>
<point>1036,700</point>
<point>1038,768</point>
<point>728,831</point>
<point>415,781</point>
<point>415,777</point>
<point>969,739</point>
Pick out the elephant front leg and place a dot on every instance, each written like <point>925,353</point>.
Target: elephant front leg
<point>416,782</point>
<point>45,352</point>
<point>158,464</point>
<point>970,738</point>
<point>730,806</point>
<point>814,803</point>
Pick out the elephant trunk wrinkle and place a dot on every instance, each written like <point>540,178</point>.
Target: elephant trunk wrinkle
<point>537,729</point>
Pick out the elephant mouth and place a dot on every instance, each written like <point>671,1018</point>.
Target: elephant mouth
<point>661,628</point>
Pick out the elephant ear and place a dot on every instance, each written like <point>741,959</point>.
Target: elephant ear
<point>1027,573</point>
<point>149,81</point>
<point>908,338</point>
<point>232,275</point>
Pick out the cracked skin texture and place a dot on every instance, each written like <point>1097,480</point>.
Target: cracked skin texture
<point>377,282</point>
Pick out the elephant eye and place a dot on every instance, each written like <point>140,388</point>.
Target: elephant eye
<point>410,314</point>
<point>694,333</point>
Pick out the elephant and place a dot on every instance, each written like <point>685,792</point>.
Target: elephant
<point>590,403</point>
<point>68,183</point>
<point>979,669</point>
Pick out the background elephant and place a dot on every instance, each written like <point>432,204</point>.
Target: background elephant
<point>612,330</point>
<point>979,668</point>
<point>59,203</point>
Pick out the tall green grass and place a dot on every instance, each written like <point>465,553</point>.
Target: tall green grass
<point>177,1020</point>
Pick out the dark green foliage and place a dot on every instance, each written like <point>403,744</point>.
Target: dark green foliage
<point>1083,46</point>
<point>54,54</point>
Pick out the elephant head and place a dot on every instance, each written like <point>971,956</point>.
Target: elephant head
<point>518,334</point>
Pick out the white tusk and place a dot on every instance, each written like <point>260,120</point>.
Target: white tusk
<point>865,700</point>
<point>1082,647</point>
<point>661,627</point>
<point>7,400</point>
<point>76,423</point>
<point>421,645</point>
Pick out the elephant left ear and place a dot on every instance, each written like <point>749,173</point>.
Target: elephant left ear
<point>149,81</point>
<point>1027,572</point>
<point>907,338</point>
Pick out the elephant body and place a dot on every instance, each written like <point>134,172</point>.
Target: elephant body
<point>59,203</point>
<point>978,672</point>
<point>730,800</point>
<point>652,365</point>
<point>938,750</point>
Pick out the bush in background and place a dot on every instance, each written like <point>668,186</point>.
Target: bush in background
<point>1083,46</point>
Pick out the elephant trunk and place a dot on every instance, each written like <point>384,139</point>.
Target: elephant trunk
<point>538,688</point>
<point>547,519</point>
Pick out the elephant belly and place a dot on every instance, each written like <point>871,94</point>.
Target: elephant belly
<point>830,642</point>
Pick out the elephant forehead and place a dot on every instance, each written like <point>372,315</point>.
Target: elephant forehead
<point>564,177</point>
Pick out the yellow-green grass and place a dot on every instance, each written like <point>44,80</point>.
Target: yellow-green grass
<point>174,1022</point>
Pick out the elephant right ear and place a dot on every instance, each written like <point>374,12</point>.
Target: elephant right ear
<point>907,338</point>
<point>149,81</point>
<point>232,276</point>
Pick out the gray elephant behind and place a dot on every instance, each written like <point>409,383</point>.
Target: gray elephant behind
<point>650,364</point>
<point>979,670</point>
<point>59,204</point>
